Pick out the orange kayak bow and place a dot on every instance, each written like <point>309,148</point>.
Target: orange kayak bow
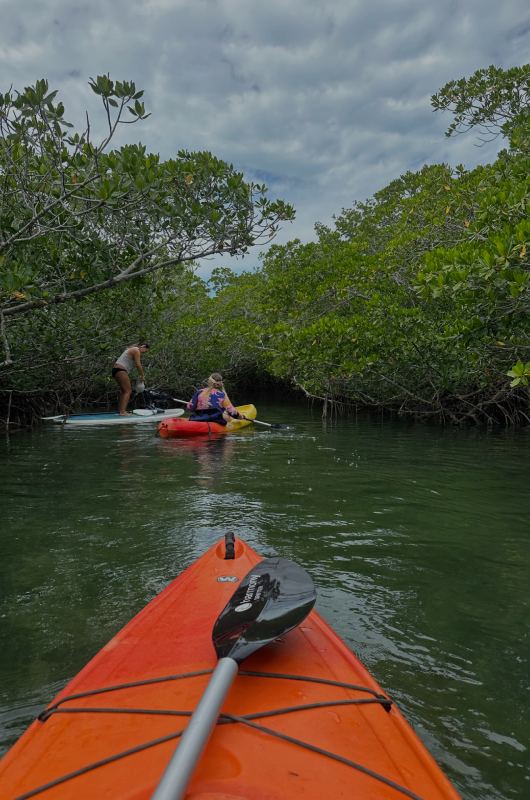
<point>303,717</point>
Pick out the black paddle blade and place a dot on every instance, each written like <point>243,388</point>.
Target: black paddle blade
<point>273,598</point>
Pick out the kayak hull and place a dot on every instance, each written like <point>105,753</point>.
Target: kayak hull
<point>113,418</point>
<point>167,653</point>
<point>184,428</point>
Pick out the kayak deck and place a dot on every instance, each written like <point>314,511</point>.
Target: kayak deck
<point>114,728</point>
<point>180,428</point>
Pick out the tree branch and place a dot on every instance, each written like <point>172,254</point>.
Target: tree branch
<point>3,335</point>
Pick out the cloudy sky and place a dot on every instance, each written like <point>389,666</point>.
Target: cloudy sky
<point>326,101</point>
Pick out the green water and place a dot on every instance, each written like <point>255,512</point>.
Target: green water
<point>417,539</point>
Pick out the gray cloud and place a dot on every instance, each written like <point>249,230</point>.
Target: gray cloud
<point>325,101</point>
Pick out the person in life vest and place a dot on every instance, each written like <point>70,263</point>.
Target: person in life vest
<point>130,359</point>
<point>212,403</point>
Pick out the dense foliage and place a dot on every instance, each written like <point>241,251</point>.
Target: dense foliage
<point>415,300</point>
<point>418,299</point>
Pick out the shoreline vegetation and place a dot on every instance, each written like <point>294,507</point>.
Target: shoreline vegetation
<point>415,302</point>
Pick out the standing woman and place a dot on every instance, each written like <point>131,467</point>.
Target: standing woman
<point>129,359</point>
<point>212,403</point>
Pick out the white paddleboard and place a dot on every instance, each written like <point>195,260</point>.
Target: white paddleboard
<point>113,418</point>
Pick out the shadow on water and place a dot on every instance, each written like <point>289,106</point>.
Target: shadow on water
<point>417,539</point>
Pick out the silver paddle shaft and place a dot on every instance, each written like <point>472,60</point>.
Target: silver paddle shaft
<point>193,741</point>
